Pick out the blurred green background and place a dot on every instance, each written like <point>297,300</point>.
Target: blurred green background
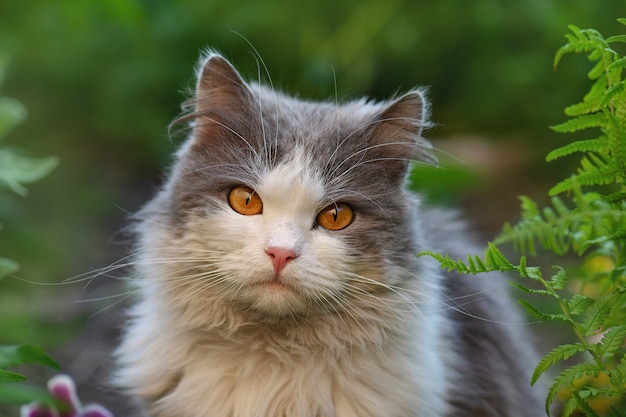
<point>102,79</point>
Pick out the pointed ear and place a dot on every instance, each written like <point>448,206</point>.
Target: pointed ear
<point>400,128</point>
<point>220,86</point>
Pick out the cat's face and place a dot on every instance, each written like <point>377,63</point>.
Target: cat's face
<point>286,208</point>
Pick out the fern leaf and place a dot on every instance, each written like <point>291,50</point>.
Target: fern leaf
<point>582,404</point>
<point>580,123</point>
<point>559,280</point>
<point>567,377</point>
<point>445,261</point>
<point>570,406</point>
<point>458,265</point>
<point>535,312</point>
<point>590,145</point>
<point>596,316</point>
<point>556,355</point>
<point>531,290</point>
<point>616,197</point>
<point>495,260</point>
<point>592,102</point>
<point>616,38</point>
<point>579,303</point>
<point>612,341</point>
<point>531,272</point>
<point>588,177</point>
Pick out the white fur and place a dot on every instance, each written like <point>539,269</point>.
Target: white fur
<point>189,353</point>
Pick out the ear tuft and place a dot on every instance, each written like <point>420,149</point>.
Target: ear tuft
<point>404,120</point>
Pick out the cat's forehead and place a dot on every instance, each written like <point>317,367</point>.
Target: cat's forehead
<point>294,183</point>
<point>309,117</point>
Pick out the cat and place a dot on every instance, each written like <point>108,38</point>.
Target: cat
<point>277,271</point>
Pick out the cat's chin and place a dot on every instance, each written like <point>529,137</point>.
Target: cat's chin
<point>276,298</point>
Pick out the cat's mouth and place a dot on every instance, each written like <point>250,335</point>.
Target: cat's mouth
<point>277,283</point>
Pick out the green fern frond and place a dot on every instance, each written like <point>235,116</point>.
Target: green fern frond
<point>590,145</point>
<point>473,265</point>
<point>579,303</point>
<point>559,280</point>
<point>535,312</point>
<point>612,341</point>
<point>531,290</point>
<point>616,198</point>
<point>549,227</point>
<point>495,260</point>
<point>556,355</point>
<point>570,406</point>
<point>616,38</point>
<point>581,122</point>
<point>615,91</point>
<point>592,101</point>
<point>579,41</point>
<point>567,377</point>
<point>597,315</point>
<point>589,175</point>
<point>582,404</point>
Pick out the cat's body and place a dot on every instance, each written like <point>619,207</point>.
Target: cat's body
<point>304,297</point>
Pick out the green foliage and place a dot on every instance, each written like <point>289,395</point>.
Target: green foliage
<point>15,171</point>
<point>12,391</point>
<point>11,356</point>
<point>587,216</point>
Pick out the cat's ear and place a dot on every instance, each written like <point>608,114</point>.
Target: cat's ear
<point>399,128</point>
<point>219,87</point>
<point>221,104</point>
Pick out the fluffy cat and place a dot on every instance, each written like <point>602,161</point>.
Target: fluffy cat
<point>278,277</point>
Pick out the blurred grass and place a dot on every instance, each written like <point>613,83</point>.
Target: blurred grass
<point>102,80</point>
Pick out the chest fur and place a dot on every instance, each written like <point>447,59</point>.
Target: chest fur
<point>264,380</point>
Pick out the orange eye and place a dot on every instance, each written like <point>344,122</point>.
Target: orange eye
<point>335,216</point>
<point>245,201</point>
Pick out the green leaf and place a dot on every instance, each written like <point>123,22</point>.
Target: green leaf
<point>559,280</point>
<point>12,113</point>
<point>8,376</point>
<point>495,260</point>
<point>23,354</point>
<point>612,341</point>
<point>596,316</point>
<point>7,267</point>
<point>532,290</point>
<point>590,145</point>
<point>16,170</point>
<point>570,406</point>
<point>19,394</point>
<point>567,377</point>
<point>579,304</point>
<point>535,312</point>
<point>580,123</point>
<point>617,38</point>
<point>560,353</point>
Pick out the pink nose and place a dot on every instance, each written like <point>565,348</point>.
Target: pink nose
<point>280,257</point>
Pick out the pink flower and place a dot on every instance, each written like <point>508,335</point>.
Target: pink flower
<point>62,389</point>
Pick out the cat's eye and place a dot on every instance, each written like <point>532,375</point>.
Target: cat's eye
<point>335,216</point>
<point>245,201</point>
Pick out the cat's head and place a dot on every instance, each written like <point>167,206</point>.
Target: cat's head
<point>283,207</point>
